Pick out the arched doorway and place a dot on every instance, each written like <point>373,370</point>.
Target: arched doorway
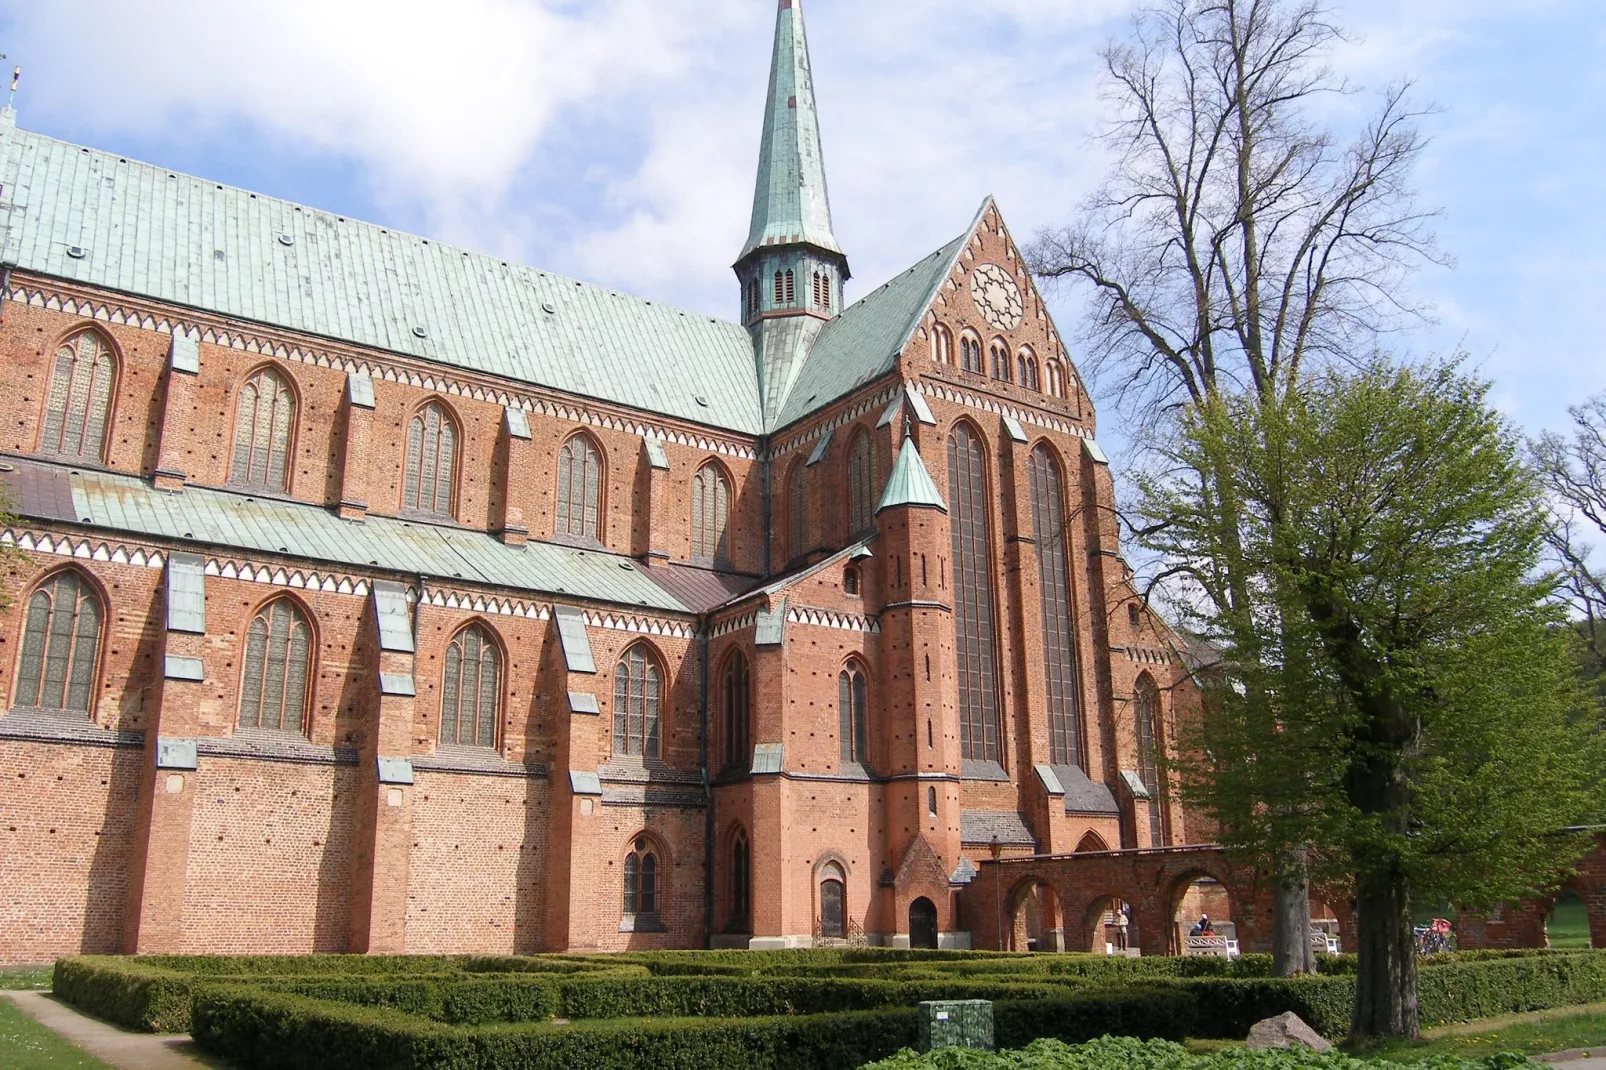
<point>1567,924</point>
<point>923,923</point>
<point>1105,931</point>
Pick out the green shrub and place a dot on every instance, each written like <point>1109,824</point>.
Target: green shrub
<point>129,992</point>
<point>269,965</point>
<point>1128,1012</point>
<point>715,997</point>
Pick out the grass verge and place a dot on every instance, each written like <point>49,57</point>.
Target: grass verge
<point>1527,1034</point>
<point>27,1045</point>
<point>33,977</point>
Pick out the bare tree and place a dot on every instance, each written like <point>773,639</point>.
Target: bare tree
<point>1574,471</point>
<point>1237,241</point>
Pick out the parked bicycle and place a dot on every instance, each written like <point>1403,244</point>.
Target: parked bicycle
<point>1434,938</point>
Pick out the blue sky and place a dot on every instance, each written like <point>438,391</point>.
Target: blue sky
<point>614,140</point>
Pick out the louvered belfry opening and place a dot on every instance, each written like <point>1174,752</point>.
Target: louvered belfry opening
<point>973,596</point>
<point>1054,594</point>
<point>82,378</point>
<point>852,719</point>
<point>431,461</point>
<point>60,646</point>
<point>263,421</point>
<point>636,690</point>
<point>273,681</point>
<point>470,689</point>
<point>710,514</point>
<point>861,483</point>
<point>579,489</point>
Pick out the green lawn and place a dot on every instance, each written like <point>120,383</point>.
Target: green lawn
<point>25,977</point>
<point>27,1045</point>
<point>1569,924</point>
<point>1529,1034</point>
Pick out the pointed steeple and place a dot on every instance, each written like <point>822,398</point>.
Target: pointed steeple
<point>910,482</point>
<point>790,202</point>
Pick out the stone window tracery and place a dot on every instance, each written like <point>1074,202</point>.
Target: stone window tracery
<point>973,596</point>
<point>276,668</point>
<point>861,483</point>
<point>579,489</point>
<point>264,418</point>
<point>637,685</point>
<point>431,461</point>
<point>1054,594</point>
<point>471,689</point>
<point>641,878</point>
<point>78,405</point>
<point>60,646</point>
<point>710,514</point>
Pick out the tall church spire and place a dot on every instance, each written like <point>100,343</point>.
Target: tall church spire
<point>791,269</point>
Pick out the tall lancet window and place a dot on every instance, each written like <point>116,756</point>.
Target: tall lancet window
<point>973,596</point>
<point>431,461</point>
<point>579,489</point>
<point>1146,707</point>
<point>797,510</point>
<point>1054,593</point>
<point>60,646</point>
<point>262,425</point>
<point>861,483</point>
<point>710,514</point>
<point>82,376</point>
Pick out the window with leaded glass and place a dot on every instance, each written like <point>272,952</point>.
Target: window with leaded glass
<point>277,669</point>
<point>737,689</point>
<point>641,878</point>
<point>431,461</point>
<point>710,514</point>
<point>1146,707</point>
<point>851,719</point>
<point>60,646</point>
<point>741,907</point>
<point>83,374</point>
<point>265,416</point>
<point>1054,595</point>
<point>471,689</point>
<point>861,483</point>
<point>636,689</point>
<point>797,510</point>
<point>833,902</point>
<point>579,489</point>
<point>973,596</point>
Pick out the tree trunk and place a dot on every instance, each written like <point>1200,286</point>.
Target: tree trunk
<point>1385,976</point>
<point>1290,928</point>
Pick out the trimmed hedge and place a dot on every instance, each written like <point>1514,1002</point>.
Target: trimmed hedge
<point>740,997</point>
<point>255,1028</point>
<point>125,991</point>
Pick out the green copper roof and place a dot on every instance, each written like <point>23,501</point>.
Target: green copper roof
<point>790,203</point>
<point>107,221</point>
<point>910,483</point>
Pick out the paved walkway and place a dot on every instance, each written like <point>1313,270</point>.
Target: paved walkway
<point>124,1050</point>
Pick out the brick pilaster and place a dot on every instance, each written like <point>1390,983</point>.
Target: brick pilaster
<point>359,419</point>
<point>518,455</point>
<point>179,415</point>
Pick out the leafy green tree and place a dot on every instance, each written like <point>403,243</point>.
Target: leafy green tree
<point>1413,718</point>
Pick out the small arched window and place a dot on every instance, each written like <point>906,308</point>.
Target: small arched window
<point>752,297</point>
<point>1000,355</point>
<point>431,461</point>
<point>738,709</point>
<point>470,689</point>
<point>851,719</point>
<point>1056,378</point>
<point>277,669</point>
<point>741,910</point>
<point>710,514</point>
<point>1026,368</point>
<point>641,878</point>
<point>850,580</point>
<point>942,345</point>
<point>262,425</point>
<point>60,646</point>
<point>819,300</point>
<point>825,286</point>
<point>579,489</point>
<point>970,354</point>
<point>791,292</point>
<point>82,377</point>
<point>780,289</point>
<point>833,902</point>
<point>797,509</point>
<point>636,694</point>
<point>1146,707</point>
<point>861,483</point>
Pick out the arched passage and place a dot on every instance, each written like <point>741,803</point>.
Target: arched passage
<point>1034,917</point>
<point>1103,928</point>
<point>1202,920</point>
<point>1567,922</point>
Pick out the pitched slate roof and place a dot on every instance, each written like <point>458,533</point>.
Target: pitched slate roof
<point>863,343</point>
<point>980,826</point>
<point>201,517</point>
<point>790,201</point>
<point>149,232</point>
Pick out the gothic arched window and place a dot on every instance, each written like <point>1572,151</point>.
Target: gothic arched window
<point>970,354</point>
<point>1026,368</point>
<point>60,646</point>
<point>277,668</point>
<point>579,489</point>
<point>741,905</point>
<point>1054,594</point>
<point>737,689</point>
<point>797,510</point>
<point>1056,378</point>
<point>819,301</point>
<point>470,689</point>
<point>973,595</point>
<point>637,686</point>
<point>861,483</point>
<point>791,292</point>
<point>265,416</point>
<point>641,878</point>
<point>1146,708</point>
<point>851,718</point>
<point>78,405</point>
<point>1000,355</point>
<point>780,289</point>
<point>833,902</point>
<point>942,345</point>
<point>710,514</point>
<point>431,461</point>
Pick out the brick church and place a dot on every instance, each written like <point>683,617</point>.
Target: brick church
<point>370,594</point>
